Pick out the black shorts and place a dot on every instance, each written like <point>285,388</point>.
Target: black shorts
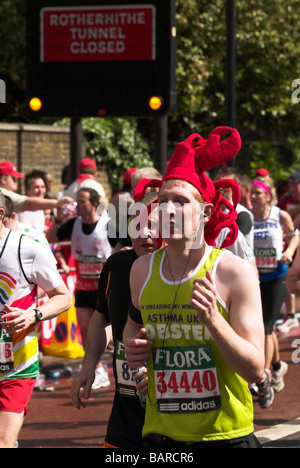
<point>86,299</point>
<point>272,295</point>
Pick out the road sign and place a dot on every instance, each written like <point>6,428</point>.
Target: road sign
<point>100,59</point>
<point>99,33</point>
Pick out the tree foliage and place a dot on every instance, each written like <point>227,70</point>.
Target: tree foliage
<point>268,52</point>
<point>200,66</point>
<point>267,61</point>
<point>116,144</point>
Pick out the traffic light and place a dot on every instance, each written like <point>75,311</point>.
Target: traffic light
<point>35,104</point>
<point>155,103</point>
<point>102,59</point>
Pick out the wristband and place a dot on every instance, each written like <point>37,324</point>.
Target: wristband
<point>295,232</point>
<point>290,251</point>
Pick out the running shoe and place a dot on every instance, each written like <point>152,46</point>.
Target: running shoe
<point>265,391</point>
<point>277,377</point>
<point>253,389</point>
<point>288,324</point>
<point>101,379</point>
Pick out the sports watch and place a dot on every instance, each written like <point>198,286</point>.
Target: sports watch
<point>38,315</point>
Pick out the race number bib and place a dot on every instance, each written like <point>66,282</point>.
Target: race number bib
<point>186,379</point>
<point>90,266</point>
<point>266,259</point>
<point>6,348</point>
<point>125,384</point>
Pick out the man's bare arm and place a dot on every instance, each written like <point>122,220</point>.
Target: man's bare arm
<point>137,347</point>
<point>95,347</point>
<point>293,275</point>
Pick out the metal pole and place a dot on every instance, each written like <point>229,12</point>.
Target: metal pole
<point>75,145</point>
<point>19,155</point>
<point>161,143</point>
<point>230,61</point>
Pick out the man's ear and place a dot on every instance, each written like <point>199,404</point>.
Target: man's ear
<point>208,212</point>
<point>3,179</point>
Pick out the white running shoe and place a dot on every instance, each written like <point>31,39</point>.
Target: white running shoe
<point>277,377</point>
<point>288,324</point>
<point>101,379</point>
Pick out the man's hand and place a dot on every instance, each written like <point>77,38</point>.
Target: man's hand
<point>64,201</point>
<point>17,320</point>
<point>84,379</point>
<point>142,386</point>
<point>137,349</point>
<point>204,299</point>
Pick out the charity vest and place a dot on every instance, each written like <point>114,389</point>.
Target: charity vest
<point>193,395</point>
<point>90,253</point>
<point>268,246</point>
<point>19,357</point>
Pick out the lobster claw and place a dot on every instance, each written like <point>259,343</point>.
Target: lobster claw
<point>195,141</point>
<point>233,185</point>
<point>217,152</point>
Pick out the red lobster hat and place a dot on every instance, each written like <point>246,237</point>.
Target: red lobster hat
<point>189,162</point>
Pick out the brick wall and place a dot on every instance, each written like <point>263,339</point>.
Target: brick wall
<point>42,147</point>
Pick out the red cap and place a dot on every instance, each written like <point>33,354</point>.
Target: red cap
<point>87,163</point>
<point>143,184</point>
<point>261,173</point>
<point>191,159</point>
<point>128,176</point>
<point>7,168</point>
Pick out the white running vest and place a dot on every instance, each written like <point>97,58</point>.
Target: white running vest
<point>90,252</point>
<point>19,356</point>
<point>268,245</point>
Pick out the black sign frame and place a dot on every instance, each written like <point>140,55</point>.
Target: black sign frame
<point>112,89</point>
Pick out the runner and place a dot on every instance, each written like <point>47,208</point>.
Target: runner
<point>8,184</point>
<point>196,312</point>
<point>127,416</point>
<point>24,265</point>
<point>270,222</point>
<point>90,249</point>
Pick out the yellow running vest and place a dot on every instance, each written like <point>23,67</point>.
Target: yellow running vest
<point>193,395</point>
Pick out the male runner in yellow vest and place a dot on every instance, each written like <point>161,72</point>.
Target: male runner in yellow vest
<point>196,314</point>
